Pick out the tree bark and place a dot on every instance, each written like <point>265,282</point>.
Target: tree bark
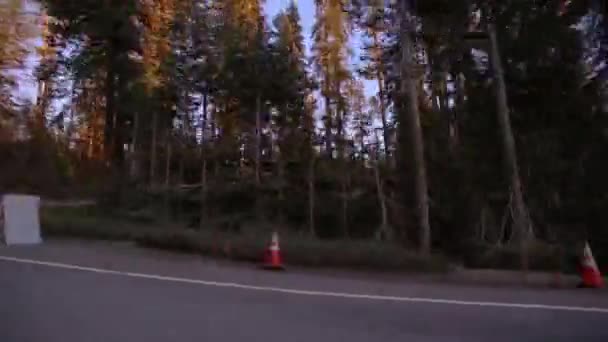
<point>181,179</point>
<point>311,195</point>
<point>411,116</point>
<point>204,118</point>
<point>385,229</point>
<point>134,155</point>
<point>345,199</point>
<point>42,104</point>
<point>521,232</point>
<point>328,127</point>
<point>153,148</point>
<point>215,136</point>
<point>110,114</point>
<point>43,93</point>
<point>344,177</point>
<point>456,117</point>
<point>340,139</point>
<point>281,190</point>
<point>258,138</point>
<point>258,157</point>
<point>280,160</point>
<point>168,176</point>
<point>203,194</point>
<point>119,130</point>
<point>381,101</point>
<point>184,145</point>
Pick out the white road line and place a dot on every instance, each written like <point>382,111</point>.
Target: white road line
<point>305,292</point>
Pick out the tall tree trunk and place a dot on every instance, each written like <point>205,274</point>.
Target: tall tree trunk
<point>281,192</point>
<point>153,148</point>
<point>456,116</point>
<point>328,128</point>
<point>311,195</point>
<point>181,180</point>
<point>119,145</point>
<point>134,151</point>
<point>204,118</point>
<point>381,101</point>
<point>258,156</point>
<point>340,139</point>
<point>384,230</point>
<point>203,194</point>
<point>258,138</point>
<point>345,180</point>
<point>384,227</point>
<point>344,177</point>
<point>110,114</point>
<point>72,126</point>
<point>184,145</point>
<point>411,116</point>
<point>215,136</point>
<point>42,100</point>
<point>119,129</point>
<point>280,160</point>
<point>521,231</point>
<point>441,106</point>
<point>43,93</point>
<point>119,138</point>
<point>168,176</point>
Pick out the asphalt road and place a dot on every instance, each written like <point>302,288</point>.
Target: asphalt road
<point>50,303</point>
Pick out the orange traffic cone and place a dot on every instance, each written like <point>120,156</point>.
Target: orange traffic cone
<point>272,255</point>
<point>590,273</point>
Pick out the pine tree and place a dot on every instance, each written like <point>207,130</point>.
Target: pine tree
<point>530,92</point>
<point>290,88</point>
<point>361,116</point>
<point>244,50</point>
<point>15,28</point>
<point>291,82</point>
<point>110,40</point>
<point>409,119</point>
<point>157,18</point>
<point>46,69</point>
<point>331,32</point>
<point>374,24</point>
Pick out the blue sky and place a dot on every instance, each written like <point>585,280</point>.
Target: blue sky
<point>307,12</point>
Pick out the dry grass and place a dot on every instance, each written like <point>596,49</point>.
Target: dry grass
<point>297,250</point>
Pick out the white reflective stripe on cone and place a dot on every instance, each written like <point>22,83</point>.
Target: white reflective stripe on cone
<point>275,238</point>
<point>588,259</point>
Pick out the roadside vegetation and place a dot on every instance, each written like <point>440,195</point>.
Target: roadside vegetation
<point>247,244</point>
<point>393,136</point>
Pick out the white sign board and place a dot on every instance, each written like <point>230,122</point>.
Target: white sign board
<point>19,220</point>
